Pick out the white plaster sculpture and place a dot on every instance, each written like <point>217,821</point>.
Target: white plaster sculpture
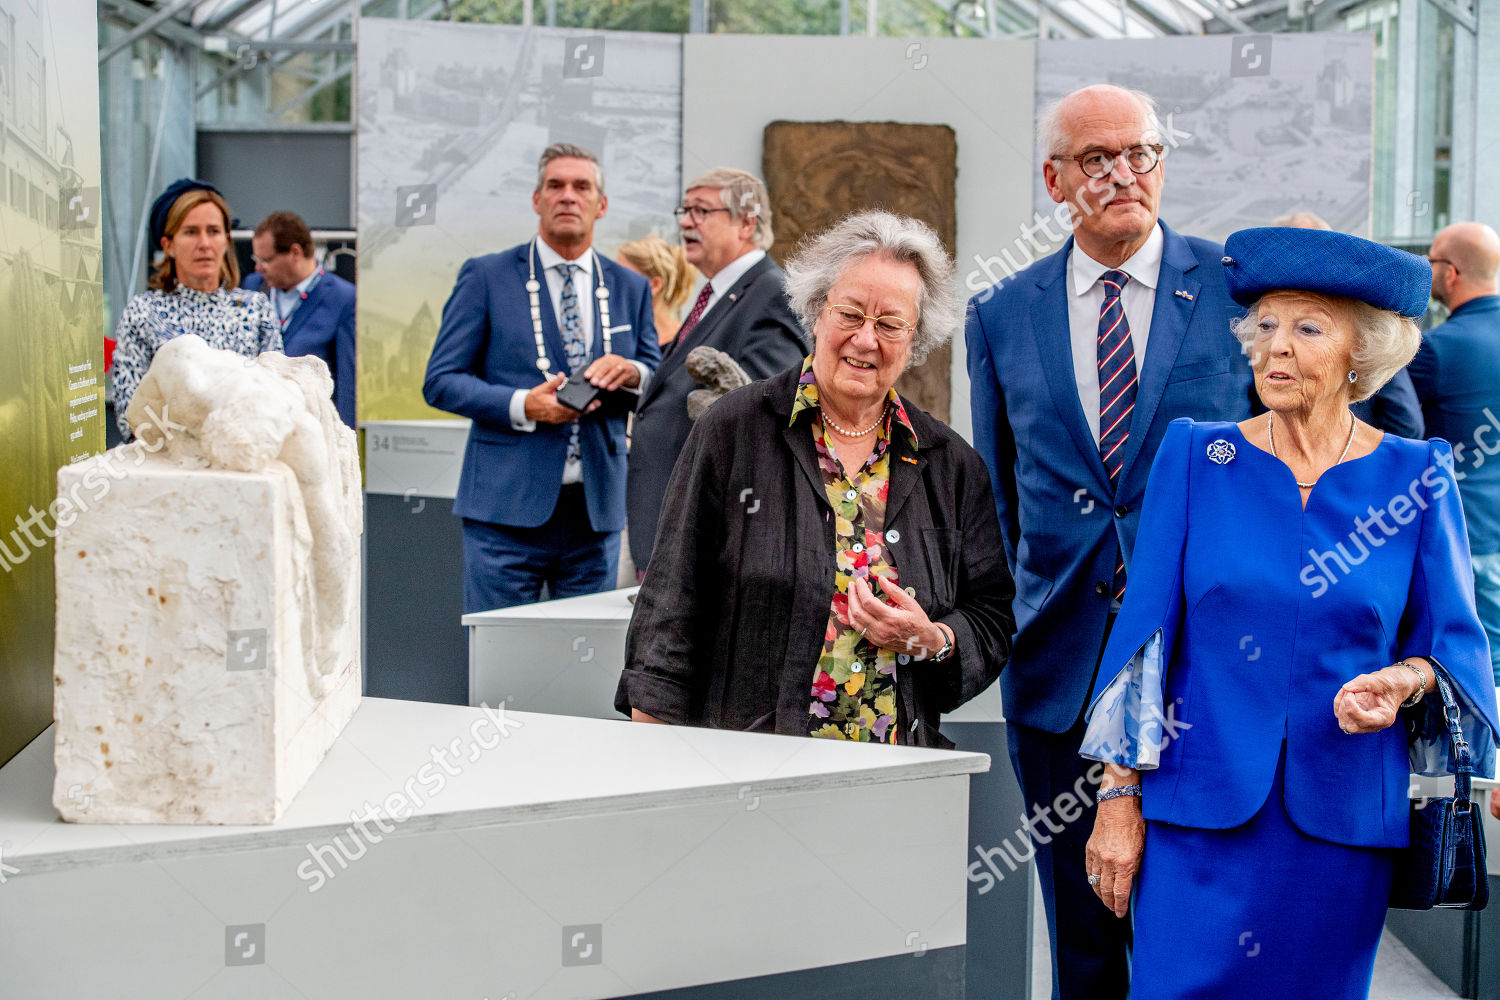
<point>207,595</point>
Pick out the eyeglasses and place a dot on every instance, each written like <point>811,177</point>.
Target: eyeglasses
<point>1099,163</point>
<point>849,319</point>
<point>695,213</point>
<point>1443,260</point>
<point>266,260</point>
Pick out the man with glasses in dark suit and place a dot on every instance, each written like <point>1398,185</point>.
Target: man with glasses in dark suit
<point>741,310</point>
<point>1076,366</point>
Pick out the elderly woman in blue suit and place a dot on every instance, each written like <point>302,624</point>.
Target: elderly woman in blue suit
<point>1299,579</point>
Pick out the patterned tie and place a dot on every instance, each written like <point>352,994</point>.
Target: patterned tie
<point>573,345</point>
<point>1117,382</point>
<point>700,306</point>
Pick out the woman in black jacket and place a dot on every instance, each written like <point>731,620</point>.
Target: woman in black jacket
<point>828,561</point>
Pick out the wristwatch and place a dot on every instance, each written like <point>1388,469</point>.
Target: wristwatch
<point>947,649</point>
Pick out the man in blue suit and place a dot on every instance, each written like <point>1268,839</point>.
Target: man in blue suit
<point>316,307</point>
<point>1457,377</point>
<point>542,491</point>
<point>1077,364</point>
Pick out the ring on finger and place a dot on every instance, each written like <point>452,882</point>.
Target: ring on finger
<point>1095,878</point>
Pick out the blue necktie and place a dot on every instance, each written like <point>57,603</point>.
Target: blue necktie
<point>1117,382</point>
<point>572,334</point>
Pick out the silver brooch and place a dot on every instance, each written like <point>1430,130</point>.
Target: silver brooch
<point>1221,452</point>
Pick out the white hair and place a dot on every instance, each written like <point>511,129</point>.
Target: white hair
<point>744,195</point>
<point>1051,125</point>
<point>1384,343</point>
<point>821,260</point>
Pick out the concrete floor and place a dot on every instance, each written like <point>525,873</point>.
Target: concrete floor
<point>1398,973</point>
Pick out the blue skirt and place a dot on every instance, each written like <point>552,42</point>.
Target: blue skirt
<point>1257,912</point>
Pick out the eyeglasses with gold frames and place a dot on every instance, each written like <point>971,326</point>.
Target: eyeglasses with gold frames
<point>850,318</point>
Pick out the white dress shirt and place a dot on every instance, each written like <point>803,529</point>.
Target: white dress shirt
<point>727,276</point>
<point>287,302</point>
<point>1087,299</point>
<point>583,286</point>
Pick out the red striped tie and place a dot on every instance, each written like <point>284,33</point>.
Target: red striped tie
<point>1117,382</point>
<point>700,306</point>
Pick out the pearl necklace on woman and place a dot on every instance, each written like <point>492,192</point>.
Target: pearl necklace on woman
<point>1271,433</point>
<point>844,432</point>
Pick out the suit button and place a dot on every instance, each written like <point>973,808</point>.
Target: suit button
<point>1101,588</point>
<point>1121,510</point>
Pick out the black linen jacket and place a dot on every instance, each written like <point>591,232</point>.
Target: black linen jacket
<point>729,622</point>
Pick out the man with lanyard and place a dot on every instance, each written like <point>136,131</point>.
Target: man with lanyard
<point>316,309</point>
<point>542,492</point>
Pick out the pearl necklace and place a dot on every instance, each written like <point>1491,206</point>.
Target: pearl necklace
<point>1271,433</point>
<point>844,432</point>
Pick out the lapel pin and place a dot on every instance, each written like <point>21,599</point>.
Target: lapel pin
<point>1183,295</point>
<point>908,458</point>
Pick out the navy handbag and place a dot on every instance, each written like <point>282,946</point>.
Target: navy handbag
<point>1444,865</point>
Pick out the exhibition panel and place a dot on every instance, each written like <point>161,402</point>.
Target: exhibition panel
<point>52,382</point>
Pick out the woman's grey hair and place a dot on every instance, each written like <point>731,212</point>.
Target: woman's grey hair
<point>1051,125</point>
<point>744,195</point>
<point>1384,343</point>
<point>821,260</point>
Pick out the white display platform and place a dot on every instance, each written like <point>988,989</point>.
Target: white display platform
<point>567,858</point>
<point>562,657</point>
<point>565,657</point>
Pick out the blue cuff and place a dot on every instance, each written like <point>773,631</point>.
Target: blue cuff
<point>1427,734</point>
<point>1127,723</point>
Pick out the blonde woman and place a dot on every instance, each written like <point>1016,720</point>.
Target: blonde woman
<point>192,289</point>
<point>665,266</point>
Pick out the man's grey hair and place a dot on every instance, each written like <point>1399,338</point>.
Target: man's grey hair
<point>821,260</point>
<point>568,151</point>
<point>1052,131</point>
<point>744,195</point>
<point>1384,343</point>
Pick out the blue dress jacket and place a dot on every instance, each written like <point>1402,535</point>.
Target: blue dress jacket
<point>1457,377</point>
<point>1061,522</point>
<point>323,325</point>
<point>485,351</point>
<point>1244,614</point>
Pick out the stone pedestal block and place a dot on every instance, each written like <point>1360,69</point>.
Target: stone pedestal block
<point>187,684</point>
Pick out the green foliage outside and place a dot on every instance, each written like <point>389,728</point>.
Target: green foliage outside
<point>920,18</point>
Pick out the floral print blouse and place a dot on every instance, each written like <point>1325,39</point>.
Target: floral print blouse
<point>854,684</point>
<point>231,319</point>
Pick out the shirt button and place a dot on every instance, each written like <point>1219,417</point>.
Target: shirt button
<point>857,547</point>
<point>856,667</point>
<point>1101,588</point>
<point>1121,510</point>
<point>893,536</point>
<point>850,494</point>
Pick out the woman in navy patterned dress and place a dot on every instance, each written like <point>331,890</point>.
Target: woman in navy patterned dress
<point>191,290</point>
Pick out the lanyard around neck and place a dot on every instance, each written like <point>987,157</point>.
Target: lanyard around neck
<point>533,292</point>
<point>302,297</point>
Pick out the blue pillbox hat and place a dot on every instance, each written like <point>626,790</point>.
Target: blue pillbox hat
<point>1283,258</point>
<point>162,206</point>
